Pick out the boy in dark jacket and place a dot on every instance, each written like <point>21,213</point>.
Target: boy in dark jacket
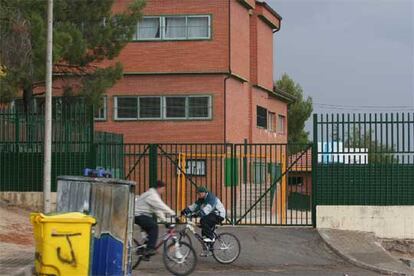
<point>211,211</point>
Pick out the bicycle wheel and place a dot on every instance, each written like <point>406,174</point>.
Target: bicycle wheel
<point>137,251</point>
<point>226,248</point>
<point>183,237</point>
<point>178,263</point>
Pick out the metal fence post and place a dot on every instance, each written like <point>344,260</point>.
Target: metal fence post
<point>153,164</point>
<point>92,146</point>
<point>314,168</point>
<point>233,184</point>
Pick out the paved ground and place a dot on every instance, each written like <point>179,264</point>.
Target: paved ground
<point>271,251</point>
<point>265,250</point>
<point>363,249</point>
<point>16,240</point>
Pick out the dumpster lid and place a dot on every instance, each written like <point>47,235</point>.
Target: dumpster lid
<point>73,217</point>
<point>96,179</point>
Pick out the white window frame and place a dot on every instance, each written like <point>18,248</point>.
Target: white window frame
<point>267,117</point>
<point>160,20</point>
<point>164,31</point>
<point>116,118</point>
<point>210,107</point>
<point>271,124</point>
<point>283,124</point>
<point>208,26</point>
<point>105,108</point>
<point>152,118</point>
<point>165,107</point>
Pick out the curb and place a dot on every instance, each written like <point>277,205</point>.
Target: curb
<point>359,263</point>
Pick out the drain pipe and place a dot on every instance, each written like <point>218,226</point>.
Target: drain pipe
<point>228,75</point>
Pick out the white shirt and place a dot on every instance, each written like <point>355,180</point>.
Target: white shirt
<point>150,203</point>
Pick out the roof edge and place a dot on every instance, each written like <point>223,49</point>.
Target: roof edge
<point>269,8</point>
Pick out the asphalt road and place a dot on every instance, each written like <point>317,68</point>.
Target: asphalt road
<point>269,251</point>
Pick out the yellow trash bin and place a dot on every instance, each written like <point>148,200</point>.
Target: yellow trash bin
<point>62,243</point>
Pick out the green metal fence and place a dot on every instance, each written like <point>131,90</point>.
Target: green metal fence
<point>75,145</point>
<point>364,159</point>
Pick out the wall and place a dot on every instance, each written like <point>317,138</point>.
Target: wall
<point>182,56</point>
<point>30,200</point>
<point>237,117</point>
<point>264,55</point>
<point>171,131</point>
<point>393,222</point>
<point>240,40</point>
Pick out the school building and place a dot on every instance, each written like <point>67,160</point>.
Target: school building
<point>201,72</point>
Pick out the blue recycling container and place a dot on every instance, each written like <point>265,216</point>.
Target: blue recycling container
<point>111,202</point>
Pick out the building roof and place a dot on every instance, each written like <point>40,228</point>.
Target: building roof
<point>269,8</point>
<point>301,161</point>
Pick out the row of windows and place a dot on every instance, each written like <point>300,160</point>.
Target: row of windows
<point>159,108</point>
<point>174,27</point>
<point>267,120</point>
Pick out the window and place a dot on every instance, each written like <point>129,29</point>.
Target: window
<point>175,27</point>
<point>181,27</point>
<point>150,107</point>
<point>149,28</point>
<point>295,180</point>
<point>198,26</point>
<point>271,121</point>
<point>162,107</point>
<point>196,167</point>
<point>261,117</point>
<point>199,107</point>
<point>175,107</point>
<point>126,108</point>
<point>100,113</point>
<point>281,121</point>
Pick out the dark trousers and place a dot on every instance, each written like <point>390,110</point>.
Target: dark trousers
<point>149,225</point>
<point>207,224</point>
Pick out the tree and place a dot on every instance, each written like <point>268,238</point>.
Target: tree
<point>86,33</point>
<point>298,112</point>
<point>378,153</point>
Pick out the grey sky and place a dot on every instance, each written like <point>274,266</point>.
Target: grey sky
<point>348,53</point>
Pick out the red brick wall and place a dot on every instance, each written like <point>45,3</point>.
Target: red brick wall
<point>240,40</point>
<point>264,55</point>
<point>183,56</point>
<point>237,128</point>
<point>169,131</point>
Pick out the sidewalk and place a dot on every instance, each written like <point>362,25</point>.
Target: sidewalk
<point>16,241</point>
<point>363,250</point>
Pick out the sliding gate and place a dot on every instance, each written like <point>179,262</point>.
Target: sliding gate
<point>259,184</point>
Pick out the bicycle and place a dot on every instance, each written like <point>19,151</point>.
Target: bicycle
<point>220,248</point>
<point>177,252</point>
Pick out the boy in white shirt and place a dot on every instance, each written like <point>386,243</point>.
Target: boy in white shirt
<point>147,205</point>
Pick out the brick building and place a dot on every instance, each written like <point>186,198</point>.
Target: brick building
<point>199,71</point>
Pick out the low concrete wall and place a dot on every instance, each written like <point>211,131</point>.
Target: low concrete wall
<point>392,222</point>
<point>31,200</point>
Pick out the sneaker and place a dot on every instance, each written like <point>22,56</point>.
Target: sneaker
<point>150,252</point>
<point>208,240</point>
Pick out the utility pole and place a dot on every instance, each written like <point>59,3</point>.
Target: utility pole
<point>47,162</point>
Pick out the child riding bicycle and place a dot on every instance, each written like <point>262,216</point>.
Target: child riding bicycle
<point>147,205</point>
<point>211,211</point>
